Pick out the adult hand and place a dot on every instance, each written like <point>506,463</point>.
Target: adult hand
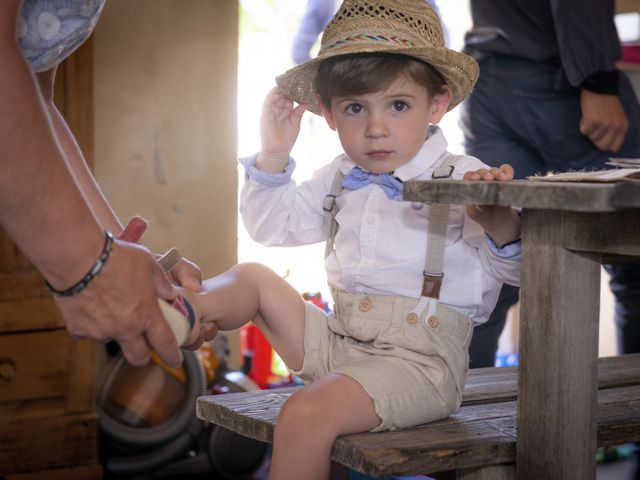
<point>603,120</point>
<point>189,276</point>
<point>121,304</point>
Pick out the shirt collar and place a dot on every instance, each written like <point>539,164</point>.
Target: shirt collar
<point>427,157</point>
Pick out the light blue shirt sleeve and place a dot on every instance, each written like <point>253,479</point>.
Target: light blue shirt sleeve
<point>266,178</point>
<point>511,251</point>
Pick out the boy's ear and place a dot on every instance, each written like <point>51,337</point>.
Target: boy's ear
<point>440,103</point>
<point>326,113</point>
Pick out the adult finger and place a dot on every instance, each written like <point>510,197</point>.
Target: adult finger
<point>164,288</point>
<point>136,350</point>
<point>188,275</point>
<point>210,330</point>
<point>161,339</point>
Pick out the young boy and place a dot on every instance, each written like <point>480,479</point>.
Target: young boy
<point>409,281</point>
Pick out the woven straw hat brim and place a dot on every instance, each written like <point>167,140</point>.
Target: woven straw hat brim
<point>459,71</point>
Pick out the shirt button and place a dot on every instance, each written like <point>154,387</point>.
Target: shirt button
<point>365,304</point>
<point>412,318</point>
<point>371,219</point>
<point>433,321</point>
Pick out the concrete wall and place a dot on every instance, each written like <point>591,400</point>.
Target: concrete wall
<point>165,122</point>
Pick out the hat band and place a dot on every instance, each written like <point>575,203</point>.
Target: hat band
<point>370,39</point>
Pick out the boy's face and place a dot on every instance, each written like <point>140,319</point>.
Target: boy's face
<point>383,130</point>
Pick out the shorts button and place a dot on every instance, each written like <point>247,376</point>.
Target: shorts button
<point>365,304</point>
<point>433,321</point>
<point>412,318</point>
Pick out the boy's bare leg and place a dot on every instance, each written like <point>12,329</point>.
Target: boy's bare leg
<point>312,419</point>
<point>252,292</point>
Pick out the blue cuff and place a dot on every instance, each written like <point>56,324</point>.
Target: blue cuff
<point>510,251</point>
<point>266,178</point>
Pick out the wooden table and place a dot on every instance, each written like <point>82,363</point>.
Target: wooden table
<point>569,230</point>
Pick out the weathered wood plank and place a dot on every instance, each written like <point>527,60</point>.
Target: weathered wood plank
<point>578,197</point>
<point>559,352</point>
<point>254,413</point>
<point>485,385</point>
<point>612,233</point>
<point>475,436</point>
<point>464,441</point>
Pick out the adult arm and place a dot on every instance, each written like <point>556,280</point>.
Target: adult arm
<point>317,15</point>
<point>75,159</point>
<point>589,47</point>
<point>44,212</point>
<point>185,273</point>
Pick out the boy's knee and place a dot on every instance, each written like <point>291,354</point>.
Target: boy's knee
<point>253,271</point>
<point>300,414</point>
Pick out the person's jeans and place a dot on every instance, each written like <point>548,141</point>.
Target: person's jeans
<point>526,114</point>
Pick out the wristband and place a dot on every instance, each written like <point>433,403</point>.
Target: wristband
<point>93,273</point>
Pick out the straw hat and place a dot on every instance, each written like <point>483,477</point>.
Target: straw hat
<point>407,27</point>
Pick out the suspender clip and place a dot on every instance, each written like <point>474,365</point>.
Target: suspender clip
<point>329,203</point>
<point>443,172</point>
<point>431,284</point>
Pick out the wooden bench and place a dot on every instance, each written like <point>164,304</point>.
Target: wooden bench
<point>476,442</point>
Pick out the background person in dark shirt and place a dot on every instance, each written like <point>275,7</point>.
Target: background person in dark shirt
<point>549,97</point>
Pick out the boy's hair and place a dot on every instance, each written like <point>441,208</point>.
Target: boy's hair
<point>369,73</point>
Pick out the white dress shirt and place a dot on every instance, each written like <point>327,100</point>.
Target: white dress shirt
<point>380,246</point>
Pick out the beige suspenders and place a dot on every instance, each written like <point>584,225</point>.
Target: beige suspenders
<point>330,207</point>
<point>436,234</point>
<point>436,228</point>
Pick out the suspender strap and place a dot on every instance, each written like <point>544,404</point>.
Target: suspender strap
<point>330,207</point>
<point>436,229</point>
<point>436,234</point>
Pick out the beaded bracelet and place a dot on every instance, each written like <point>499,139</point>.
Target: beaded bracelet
<point>93,273</point>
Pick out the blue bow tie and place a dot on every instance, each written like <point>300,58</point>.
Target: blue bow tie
<point>358,178</point>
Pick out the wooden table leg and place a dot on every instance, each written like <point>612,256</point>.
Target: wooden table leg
<point>557,386</point>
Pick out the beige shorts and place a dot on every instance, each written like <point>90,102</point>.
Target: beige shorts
<point>412,366</point>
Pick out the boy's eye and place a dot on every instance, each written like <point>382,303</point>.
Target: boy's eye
<point>399,106</point>
<point>354,108</point>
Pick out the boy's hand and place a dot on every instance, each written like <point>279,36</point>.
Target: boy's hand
<point>502,224</point>
<point>279,128</point>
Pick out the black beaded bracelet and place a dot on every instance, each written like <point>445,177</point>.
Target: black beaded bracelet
<point>93,273</point>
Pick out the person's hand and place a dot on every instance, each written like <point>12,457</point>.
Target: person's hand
<point>279,128</point>
<point>202,330</point>
<point>187,275</point>
<point>502,224</point>
<point>603,120</point>
<point>121,304</point>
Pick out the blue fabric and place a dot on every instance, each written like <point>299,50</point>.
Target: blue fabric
<point>266,178</point>
<point>358,178</point>
<point>509,251</point>
<point>50,30</point>
<point>526,114</point>
<point>625,286</point>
